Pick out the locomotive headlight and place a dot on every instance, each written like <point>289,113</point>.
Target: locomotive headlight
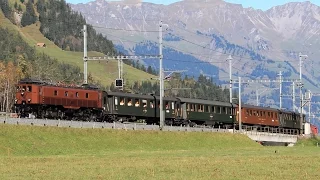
<point>22,93</point>
<point>29,100</point>
<point>104,108</point>
<point>16,100</point>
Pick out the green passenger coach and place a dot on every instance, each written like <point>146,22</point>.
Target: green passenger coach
<point>212,113</point>
<point>132,107</point>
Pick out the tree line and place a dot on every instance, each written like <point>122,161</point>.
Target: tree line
<point>187,87</point>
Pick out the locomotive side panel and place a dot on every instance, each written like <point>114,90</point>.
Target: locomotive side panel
<point>70,97</point>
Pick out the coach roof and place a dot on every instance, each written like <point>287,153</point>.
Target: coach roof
<point>139,96</point>
<point>202,101</point>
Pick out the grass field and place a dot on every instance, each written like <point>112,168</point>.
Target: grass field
<point>28,152</point>
<point>105,72</point>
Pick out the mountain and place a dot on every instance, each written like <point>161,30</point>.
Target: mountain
<point>262,43</point>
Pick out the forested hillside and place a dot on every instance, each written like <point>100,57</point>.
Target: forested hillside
<point>62,26</point>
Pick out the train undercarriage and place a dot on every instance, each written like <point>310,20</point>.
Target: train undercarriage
<point>59,112</point>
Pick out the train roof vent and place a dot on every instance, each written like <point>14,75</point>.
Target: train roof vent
<point>89,86</point>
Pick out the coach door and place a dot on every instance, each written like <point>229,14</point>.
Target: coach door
<point>111,104</point>
<point>184,110</point>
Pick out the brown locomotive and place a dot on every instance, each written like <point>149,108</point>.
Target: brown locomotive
<point>45,100</point>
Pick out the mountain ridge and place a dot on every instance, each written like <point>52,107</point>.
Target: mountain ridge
<point>245,29</point>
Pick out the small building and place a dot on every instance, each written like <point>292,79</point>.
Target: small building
<point>43,45</point>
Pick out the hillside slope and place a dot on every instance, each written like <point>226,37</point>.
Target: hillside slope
<point>103,72</point>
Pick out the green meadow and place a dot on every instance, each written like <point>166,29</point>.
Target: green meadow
<point>28,152</point>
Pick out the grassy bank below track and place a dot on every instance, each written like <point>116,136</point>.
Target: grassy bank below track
<point>28,152</point>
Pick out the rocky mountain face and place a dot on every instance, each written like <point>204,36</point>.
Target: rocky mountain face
<point>205,32</point>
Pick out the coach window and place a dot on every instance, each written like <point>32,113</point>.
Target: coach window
<point>247,112</point>
<point>213,109</point>
<point>223,110</point>
<point>77,94</point>
<point>271,114</point>
<point>188,107</point>
<point>264,113</point>
<point>87,95</point>
<point>129,102</point>
<point>66,93</point>
<point>104,100</point>
<point>167,105</point>
<point>55,92</point>
<point>275,115</point>
<point>137,103</point>
<point>172,105</point>
<point>144,103</point>
<point>207,109</point>
<point>121,101</point>
<point>152,104</point>
<point>192,107</point>
<point>116,100</point>
<point>29,88</point>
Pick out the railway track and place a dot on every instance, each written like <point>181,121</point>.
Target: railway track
<point>93,125</point>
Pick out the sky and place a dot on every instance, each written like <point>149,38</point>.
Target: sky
<point>257,4</point>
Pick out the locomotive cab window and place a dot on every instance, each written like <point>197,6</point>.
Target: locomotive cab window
<point>29,89</point>
<point>87,95</point>
<point>55,92</point>
<point>77,94</point>
<point>66,93</point>
<point>152,104</point>
<point>121,101</point>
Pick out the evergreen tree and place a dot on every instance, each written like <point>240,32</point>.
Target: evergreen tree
<point>4,4</point>
<point>29,17</point>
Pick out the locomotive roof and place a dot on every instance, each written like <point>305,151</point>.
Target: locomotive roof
<point>208,102</point>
